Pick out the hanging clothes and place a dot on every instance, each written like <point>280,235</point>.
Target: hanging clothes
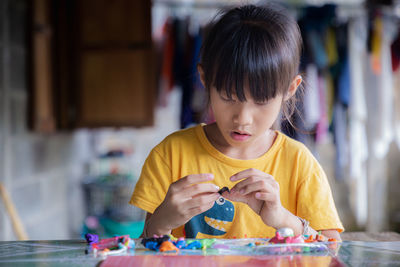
<point>342,65</point>
<point>395,52</point>
<point>383,128</point>
<point>166,77</point>
<point>376,43</point>
<point>395,49</point>
<point>358,145</point>
<point>396,100</point>
<point>314,24</point>
<point>199,99</point>
<point>340,139</point>
<point>323,122</point>
<point>312,110</point>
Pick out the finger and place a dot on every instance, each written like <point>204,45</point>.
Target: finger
<point>262,185</point>
<point>246,173</point>
<point>198,189</point>
<point>235,196</point>
<point>249,180</point>
<point>202,200</point>
<point>192,179</point>
<point>205,193</point>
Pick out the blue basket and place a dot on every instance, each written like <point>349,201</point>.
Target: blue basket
<point>108,196</point>
<point>113,228</point>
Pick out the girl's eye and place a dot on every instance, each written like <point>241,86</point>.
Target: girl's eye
<point>261,103</point>
<point>227,99</point>
<point>220,201</point>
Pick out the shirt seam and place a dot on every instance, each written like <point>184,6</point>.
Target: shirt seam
<point>163,160</point>
<point>139,201</point>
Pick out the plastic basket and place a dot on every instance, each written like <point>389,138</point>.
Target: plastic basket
<point>108,196</point>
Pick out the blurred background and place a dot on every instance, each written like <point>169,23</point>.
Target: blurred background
<point>87,88</point>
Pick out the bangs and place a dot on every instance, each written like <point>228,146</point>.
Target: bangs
<point>250,54</point>
<point>243,64</point>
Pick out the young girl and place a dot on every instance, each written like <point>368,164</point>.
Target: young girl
<point>249,66</point>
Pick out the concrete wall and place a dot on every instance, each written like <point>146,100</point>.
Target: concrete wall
<point>43,173</point>
<point>37,170</point>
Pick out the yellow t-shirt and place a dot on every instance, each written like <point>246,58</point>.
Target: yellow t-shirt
<point>304,188</point>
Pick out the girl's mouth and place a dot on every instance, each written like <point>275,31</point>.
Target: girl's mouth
<point>238,136</point>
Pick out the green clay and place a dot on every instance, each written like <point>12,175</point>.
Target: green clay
<point>207,242</point>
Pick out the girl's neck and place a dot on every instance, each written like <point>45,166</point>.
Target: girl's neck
<point>245,152</point>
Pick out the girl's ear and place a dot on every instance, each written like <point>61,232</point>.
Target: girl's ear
<point>201,73</point>
<point>293,87</point>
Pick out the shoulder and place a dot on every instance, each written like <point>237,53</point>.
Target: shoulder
<point>292,146</point>
<point>300,156</point>
<point>178,139</point>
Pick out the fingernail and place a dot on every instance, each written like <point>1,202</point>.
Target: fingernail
<point>210,175</point>
<point>241,191</point>
<point>217,187</point>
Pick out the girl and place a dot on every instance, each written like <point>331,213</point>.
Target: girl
<point>249,66</point>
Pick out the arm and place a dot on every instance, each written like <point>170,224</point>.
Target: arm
<point>146,221</point>
<point>292,221</point>
<point>185,198</point>
<point>261,192</point>
<point>147,228</point>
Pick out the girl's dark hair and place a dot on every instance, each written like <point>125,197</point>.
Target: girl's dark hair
<point>256,46</point>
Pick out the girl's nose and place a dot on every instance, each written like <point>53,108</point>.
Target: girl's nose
<point>242,115</point>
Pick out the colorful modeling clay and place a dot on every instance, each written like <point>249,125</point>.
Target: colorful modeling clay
<point>172,238</point>
<point>309,239</point>
<point>286,236</point>
<point>277,239</point>
<point>207,243</point>
<point>110,246</point>
<point>91,238</point>
<point>320,237</point>
<point>195,244</point>
<point>223,189</point>
<point>168,246</point>
<point>285,232</point>
<point>154,243</point>
<point>180,243</point>
<point>294,239</point>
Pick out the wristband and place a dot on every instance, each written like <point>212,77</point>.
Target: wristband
<point>307,230</point>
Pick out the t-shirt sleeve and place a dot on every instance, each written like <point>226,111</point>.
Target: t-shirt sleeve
<point>153,183</point>
<point>315,201</point>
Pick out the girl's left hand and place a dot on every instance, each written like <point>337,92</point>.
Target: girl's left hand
<point>260,191</point>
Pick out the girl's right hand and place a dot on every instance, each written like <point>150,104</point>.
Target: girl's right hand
<point>185,199</point>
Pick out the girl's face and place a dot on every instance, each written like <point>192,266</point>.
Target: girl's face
<point>244,123</point>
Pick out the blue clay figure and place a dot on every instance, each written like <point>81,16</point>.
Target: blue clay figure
<point>194,245</point>
<point>152,245</point>
<point>180,243</point>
